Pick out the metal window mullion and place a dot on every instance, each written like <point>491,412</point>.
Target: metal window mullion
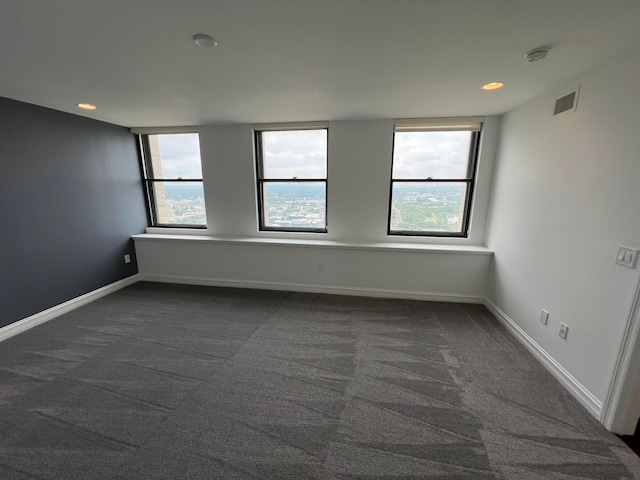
<point>151,196</point>
<point>293,180</point>
<point>431,180</point>
<point>146,154</point>
<point>259,174</point>
<point>259,155</point>
<point>169,180</point>
<point>145,151</point>
<point>471,172</point>
<point>467,208</point>
<point>473,154</point>
<point>261,212</point>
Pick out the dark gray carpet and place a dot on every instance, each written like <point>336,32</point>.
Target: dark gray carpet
<point>174,382</point>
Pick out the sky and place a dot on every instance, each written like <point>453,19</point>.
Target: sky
<point>303,154</point>
<point>295,153</point>
<point>180,155</point>
<point>430,154</point>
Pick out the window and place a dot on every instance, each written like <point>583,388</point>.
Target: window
<point>291,168</point>
<point>173,177</point>
<point>432,176</point>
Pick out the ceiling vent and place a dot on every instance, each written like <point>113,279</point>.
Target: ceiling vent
<point>566,103</point>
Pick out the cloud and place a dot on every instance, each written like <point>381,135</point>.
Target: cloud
<point>303,154</point>
<point>180,155</point>
<point>295,153</point>
<point>419,155</point>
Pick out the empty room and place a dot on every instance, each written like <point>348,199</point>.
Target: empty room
<point>304,239</point>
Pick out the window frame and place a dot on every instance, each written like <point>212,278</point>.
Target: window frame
<point>150,179</point>
<point>474,126</point>
<point>258,130</point>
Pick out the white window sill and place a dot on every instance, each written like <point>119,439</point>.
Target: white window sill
<point>313,243</point>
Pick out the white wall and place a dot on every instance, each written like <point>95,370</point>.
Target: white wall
<point>359,169</point>
<point>443,276</point>
<point>359,157</point>
<point>565,195</point>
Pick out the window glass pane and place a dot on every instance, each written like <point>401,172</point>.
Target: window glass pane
<point>421,155</point>
<point>294,154</point>
<point>175,156</point>
<point>294,204</point>
<point>180,203</point>
<point>432,206</point>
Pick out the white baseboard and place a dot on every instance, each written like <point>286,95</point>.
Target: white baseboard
<point>310,288</point>
<point>26,323</point>
<point>584,396</point>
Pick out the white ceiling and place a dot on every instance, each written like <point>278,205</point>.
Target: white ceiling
<point>297,60</point>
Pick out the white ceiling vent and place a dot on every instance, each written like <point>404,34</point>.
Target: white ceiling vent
<point>567,102</point>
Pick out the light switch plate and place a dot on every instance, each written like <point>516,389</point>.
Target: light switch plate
<point>564,330</point>
<point>544,317</point>
<point>627,256</point>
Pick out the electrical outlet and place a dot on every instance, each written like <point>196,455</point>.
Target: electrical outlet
<point>544,317</point>
<point>627,256</point>
<point>127,258</point>
<point>564,330</point>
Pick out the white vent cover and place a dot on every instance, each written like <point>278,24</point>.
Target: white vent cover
<point>568,102</point>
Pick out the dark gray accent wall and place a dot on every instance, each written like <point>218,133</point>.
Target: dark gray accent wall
<point>70,198</point>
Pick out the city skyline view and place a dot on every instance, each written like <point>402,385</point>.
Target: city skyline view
<point>415,207</point>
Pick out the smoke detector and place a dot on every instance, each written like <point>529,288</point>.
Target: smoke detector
<point>537,54</point>
<point>203,40</point>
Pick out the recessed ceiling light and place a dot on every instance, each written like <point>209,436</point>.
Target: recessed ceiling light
<point>203,40</point>
<point>86,106</point>
<point>492,86</point>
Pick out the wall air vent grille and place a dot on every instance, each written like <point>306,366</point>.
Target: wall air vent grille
<point>568,102</point>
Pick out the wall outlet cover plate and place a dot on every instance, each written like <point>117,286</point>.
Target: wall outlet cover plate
<point>627,256</point>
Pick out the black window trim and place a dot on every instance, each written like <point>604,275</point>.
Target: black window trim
<point>260,182</point>
<point>150,179</point>
<point>470,181</point>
